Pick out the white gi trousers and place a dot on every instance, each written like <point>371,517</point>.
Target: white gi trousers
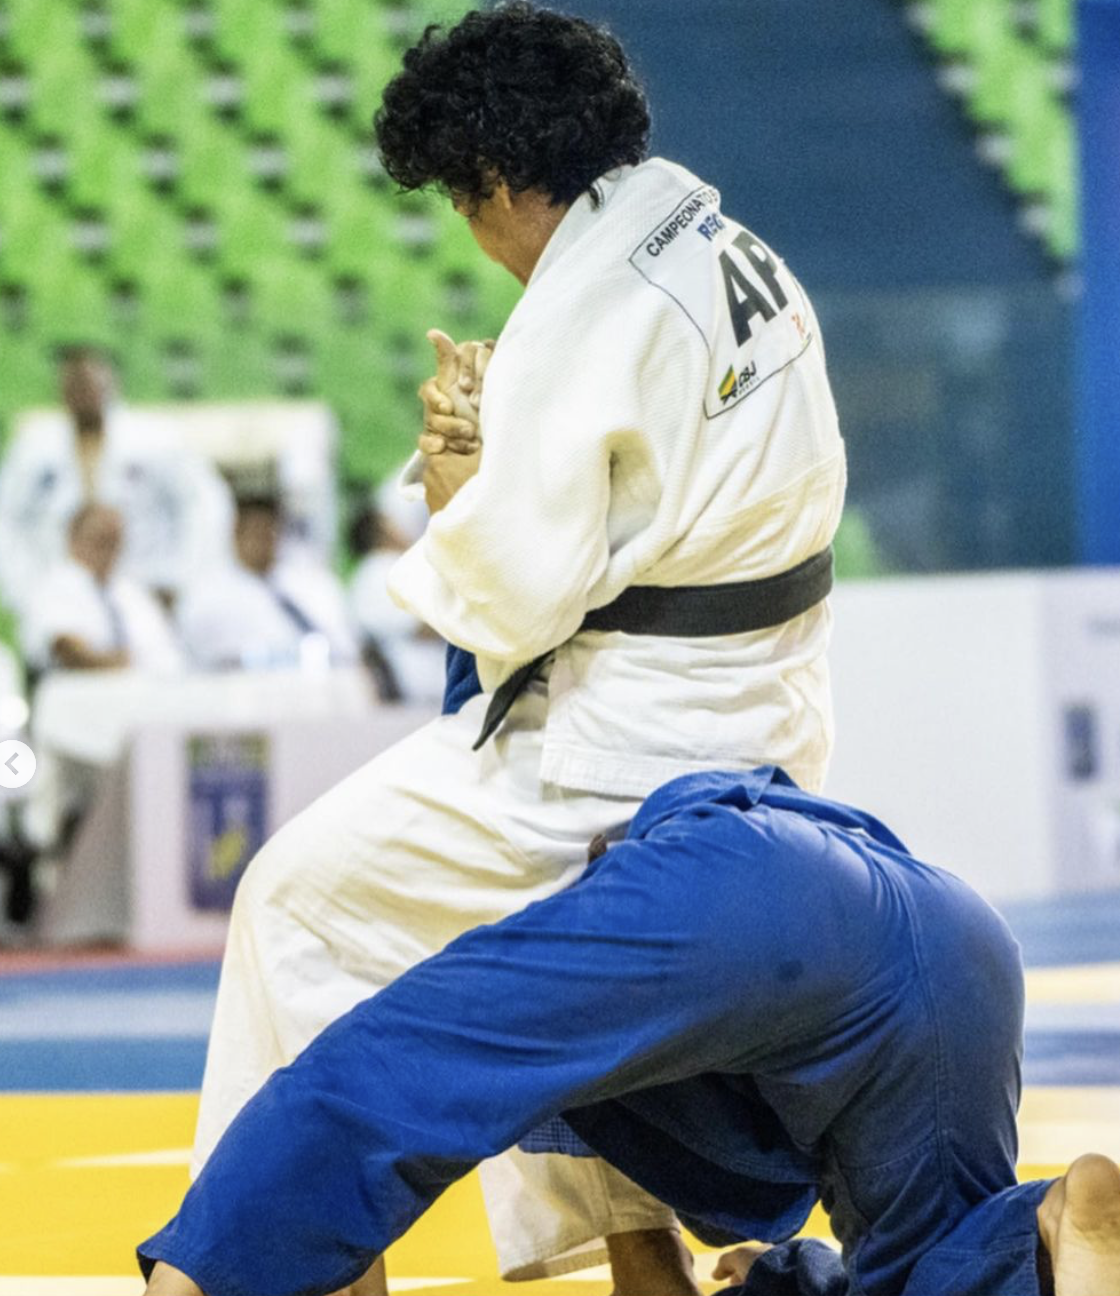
<point>426,841</point>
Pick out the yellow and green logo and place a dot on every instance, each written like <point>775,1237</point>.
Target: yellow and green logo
<point>727,387</point>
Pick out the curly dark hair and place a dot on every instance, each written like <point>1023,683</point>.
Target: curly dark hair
<point>520,94</point>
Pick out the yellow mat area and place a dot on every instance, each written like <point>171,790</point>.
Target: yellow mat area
<point>84,1177</point>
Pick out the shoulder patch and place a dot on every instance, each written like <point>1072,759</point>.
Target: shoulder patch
<point>750,311</point>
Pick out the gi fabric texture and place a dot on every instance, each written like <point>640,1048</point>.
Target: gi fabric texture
<point>657,411</point>
<point>756,1001</point>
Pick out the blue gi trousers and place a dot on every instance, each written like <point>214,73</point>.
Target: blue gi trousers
<point>756,1001</point>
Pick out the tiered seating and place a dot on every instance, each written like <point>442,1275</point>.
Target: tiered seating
<point>1010,63</point>
<point>191,182</point>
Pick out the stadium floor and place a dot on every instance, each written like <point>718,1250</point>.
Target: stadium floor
<point>100,1059</point>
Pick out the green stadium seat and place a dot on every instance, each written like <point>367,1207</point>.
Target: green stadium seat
<point>213,165</point>
<point>139,24</point>
<point>34,27</point>
<point>292,298</point>
<point>1063,191</point>
<point>29,373</point>
<point>999,68</point>
<point>172,87</point>
<point>242,24</point>
<point>361,243</point>
<point>968,28</point>
<point>106,163</point>
<point>34,225</point>
<point>1064,235</point>
<point>1038,123</point>
<point>19,182</point>
<point>1055,25</point>
<point>70,302</point>
<point>252,230</point>
<point>141,373</point>
<point>239,365</point>
<point>323,160</point>
<point>145,230</point>
<point>179,296</point>
<point>354,31</point>
<point>379,421</point>
<point>64,90</point>
<point>278,92</point>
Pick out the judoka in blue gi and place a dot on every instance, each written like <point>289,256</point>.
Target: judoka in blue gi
<point>756,1001</point>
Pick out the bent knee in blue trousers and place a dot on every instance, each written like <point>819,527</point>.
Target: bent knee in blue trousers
<point>757,999</point>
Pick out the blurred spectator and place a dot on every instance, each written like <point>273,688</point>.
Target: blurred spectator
<point>177,510</point>
<point>87,616</point>
<point>258,612</point>
<point>405,656</point>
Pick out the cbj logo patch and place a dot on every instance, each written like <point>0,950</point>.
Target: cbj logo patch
<point>737,384</point>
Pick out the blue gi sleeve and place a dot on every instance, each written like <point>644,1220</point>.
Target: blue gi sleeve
<point>802,1268</point>
<point>461,682</point>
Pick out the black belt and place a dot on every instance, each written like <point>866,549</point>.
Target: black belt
<point>687,612</point>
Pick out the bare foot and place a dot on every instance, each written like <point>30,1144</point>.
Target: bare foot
<point>651,1262</point>
<point>736,1264</point>
<point>166,1281</point>
<point>1079,1223</point>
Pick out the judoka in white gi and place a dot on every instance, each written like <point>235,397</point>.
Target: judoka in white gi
<point>260,611</point>
<point>177,510</point>
<point>656,413</point>
<point>86,615</point>
<point>759,1000</point>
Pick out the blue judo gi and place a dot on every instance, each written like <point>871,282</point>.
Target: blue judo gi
<point>756,1001</point>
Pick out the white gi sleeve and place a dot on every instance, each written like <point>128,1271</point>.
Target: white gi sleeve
<point>506,569</point>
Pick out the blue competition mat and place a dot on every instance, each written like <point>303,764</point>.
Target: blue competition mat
<point>114,1029</point>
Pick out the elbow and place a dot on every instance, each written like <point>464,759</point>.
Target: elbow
<point>521,626</point>
<point>509,611</point>
<point>532,604</point>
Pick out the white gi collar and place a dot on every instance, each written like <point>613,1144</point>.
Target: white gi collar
<point>578,220</point>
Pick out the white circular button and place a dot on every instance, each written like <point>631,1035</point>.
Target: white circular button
<point>17,763</point>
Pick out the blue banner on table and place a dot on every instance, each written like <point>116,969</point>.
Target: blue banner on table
<point>228,817</point>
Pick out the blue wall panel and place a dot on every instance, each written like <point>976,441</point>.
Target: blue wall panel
<point>1098,457</point>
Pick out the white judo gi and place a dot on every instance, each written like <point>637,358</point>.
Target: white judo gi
<point>117,615</point>
<point>656,412</point>
<point>231,616</point>
<point>177,511</point>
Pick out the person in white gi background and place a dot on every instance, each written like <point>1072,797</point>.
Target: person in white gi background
<point>86,616</point>
<point>176,507</point>
<point>656,413</point>
<point>257,612</point>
